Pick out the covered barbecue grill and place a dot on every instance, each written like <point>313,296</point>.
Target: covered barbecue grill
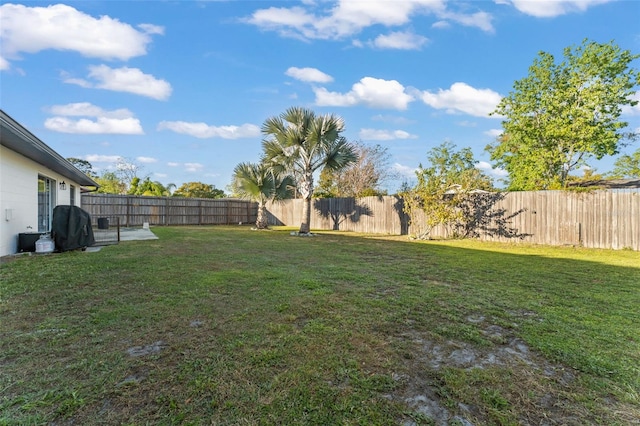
<point>71,228</point>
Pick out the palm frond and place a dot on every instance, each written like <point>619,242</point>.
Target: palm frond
<point>247,181</point>
<point>284,188</point>
<point>273,126</point>
<point>340,154</point>
<point>259,182</point>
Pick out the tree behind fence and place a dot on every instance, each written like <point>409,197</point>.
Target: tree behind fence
<point>136,210</point>
<point>597,219</point>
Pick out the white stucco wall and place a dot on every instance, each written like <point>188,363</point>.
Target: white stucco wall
<point>19,197</point>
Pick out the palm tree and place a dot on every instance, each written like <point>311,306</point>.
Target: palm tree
<point>170,188</point>
<point>259,183</point>
<point>301,142</point>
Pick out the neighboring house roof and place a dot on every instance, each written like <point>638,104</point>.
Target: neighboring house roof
<point>609,184</point>
<point>15,137</point>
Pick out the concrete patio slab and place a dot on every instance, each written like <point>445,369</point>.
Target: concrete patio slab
<point>135,234</point>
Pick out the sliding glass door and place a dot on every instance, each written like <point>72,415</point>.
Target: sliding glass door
<point>46,202</point>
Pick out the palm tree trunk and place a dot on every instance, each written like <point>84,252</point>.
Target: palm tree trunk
<point>261,220</point>
<point>305,226</point>
<point>306,190</point>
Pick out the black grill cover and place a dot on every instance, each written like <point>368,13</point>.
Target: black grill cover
<point>71,228</point>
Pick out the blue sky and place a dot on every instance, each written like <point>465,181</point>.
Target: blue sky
<point>181,88</point>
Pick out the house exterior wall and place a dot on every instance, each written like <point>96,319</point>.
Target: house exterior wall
<point>19,196</point>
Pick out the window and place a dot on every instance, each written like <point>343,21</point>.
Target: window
<point>72,195</point>
<point>46,202</point>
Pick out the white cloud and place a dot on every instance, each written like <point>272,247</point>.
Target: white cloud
<point>4,64</point>
<point>77,81</point>
<point>96,158</point>
<point>188,167</point>
<point>552,8</point>
<point>463,98</point>
<point>391,119</point>
<point>326,98</point>
<point>403,40</point>
<point>369,91</point>
<point>124,79</point>
<point>481,20</point>
<point>632,110</point>
<point>404,171</point>
<point>205,131</point>
<point>494,133</point>
<point>384,135</point>
<point>61,27</point>
<point>289,22</point>
<point>193,167</point>
<point>85,109</point>
<point>151,29</point>
<point>466,123</point>
<point>309,75</point>
<point>146,160</point>
<point>488,168</point>
<point>441,25</point>
<point>102,125</point>
<point>120,121</point>
<point>349,17</point>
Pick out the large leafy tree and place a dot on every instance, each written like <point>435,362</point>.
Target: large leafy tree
<point>627,166</point>
<point>110,183</point>
<point>83,165</point>
<point>362,178</point>
<point>300,142</point>
<point>198,190</point>
<point>443,187</point>
<point>259,183</point>
<point>563,114</point>
<point>148,188</point>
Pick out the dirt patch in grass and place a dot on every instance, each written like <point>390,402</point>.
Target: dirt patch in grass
<point>455,383</point>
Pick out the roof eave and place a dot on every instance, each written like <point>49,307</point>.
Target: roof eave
<point>17,138</point>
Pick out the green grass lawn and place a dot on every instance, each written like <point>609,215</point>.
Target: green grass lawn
<point>227,326</point>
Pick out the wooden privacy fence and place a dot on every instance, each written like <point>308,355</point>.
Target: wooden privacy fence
<point>372,215</point>
<point>134,210</point>
<point>599,219</point>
